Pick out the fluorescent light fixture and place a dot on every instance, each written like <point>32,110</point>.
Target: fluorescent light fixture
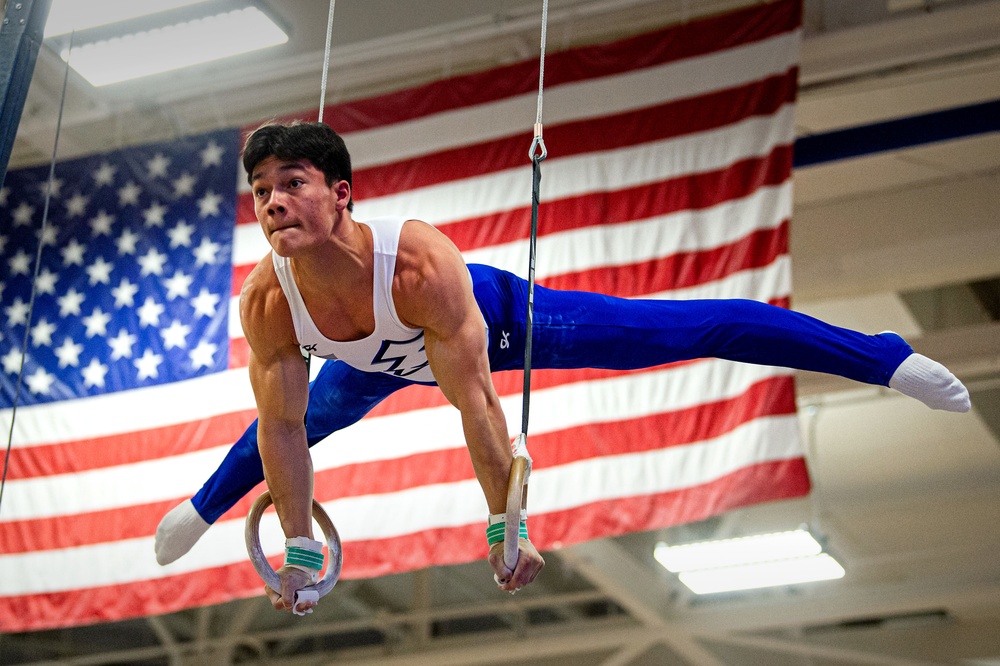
<point>763,574</point>
<point>175,46</point>
<point>766,560</point>
<point>65,16</point>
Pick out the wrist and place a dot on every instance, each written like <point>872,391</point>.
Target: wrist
<point>304,554</point>
<point>496,524</point>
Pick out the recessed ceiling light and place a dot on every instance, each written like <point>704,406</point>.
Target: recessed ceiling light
<point>65,16</point>
<point>175,46</point>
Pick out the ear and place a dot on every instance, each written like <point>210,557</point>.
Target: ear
<point>342,189</point>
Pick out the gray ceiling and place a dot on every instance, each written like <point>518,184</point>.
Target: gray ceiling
<point>909,240</point>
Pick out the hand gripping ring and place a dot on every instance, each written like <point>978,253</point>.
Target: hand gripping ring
<point>268,575</point>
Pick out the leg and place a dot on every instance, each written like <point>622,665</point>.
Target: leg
<point>338,397</point>
<point>580,329</point>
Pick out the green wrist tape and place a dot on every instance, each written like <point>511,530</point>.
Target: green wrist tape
<point>495,533</point>
<point>303,557</point>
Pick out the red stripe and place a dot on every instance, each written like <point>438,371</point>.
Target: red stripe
<point>750,485</point>
<point>770,397</point>
<point>656,123</point>
<point>703,37</point>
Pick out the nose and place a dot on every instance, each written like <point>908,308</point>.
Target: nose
<point>275,204</point>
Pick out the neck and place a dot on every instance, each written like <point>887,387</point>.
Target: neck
<point>341,263</point>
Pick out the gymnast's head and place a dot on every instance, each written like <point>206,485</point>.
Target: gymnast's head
<point>297,140</point>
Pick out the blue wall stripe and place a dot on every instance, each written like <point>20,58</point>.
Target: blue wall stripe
<point>895,134</point>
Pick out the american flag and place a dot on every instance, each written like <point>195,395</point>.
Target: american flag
<point>669,176</point>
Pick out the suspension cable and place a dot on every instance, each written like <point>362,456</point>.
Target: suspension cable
<point>326,60</point>
<point>34,277</point>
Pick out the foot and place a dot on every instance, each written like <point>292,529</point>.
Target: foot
<point>179,530</point>
<point>931,383</point>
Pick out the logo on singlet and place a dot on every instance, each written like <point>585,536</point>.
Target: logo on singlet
<point>309,349</point>
<point>405,357</point>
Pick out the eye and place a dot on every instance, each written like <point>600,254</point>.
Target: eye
<point>260,192</point>
<point>296,182</point>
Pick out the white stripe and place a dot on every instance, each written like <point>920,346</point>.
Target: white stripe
<point>606,171</point>
<point>131,411</point>
<point>431,429</point>
<point>592,247</point>
<point>413,510</point>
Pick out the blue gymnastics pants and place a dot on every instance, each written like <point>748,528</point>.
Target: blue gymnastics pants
<point>573,329</point>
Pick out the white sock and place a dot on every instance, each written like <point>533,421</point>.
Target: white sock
<point>179,530</point>
<point>931,383</point>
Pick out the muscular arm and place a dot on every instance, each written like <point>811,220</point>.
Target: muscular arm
<point>279,379</point>
<point>436,294</point>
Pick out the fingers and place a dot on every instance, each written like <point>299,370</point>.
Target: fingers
<point>529,564</point>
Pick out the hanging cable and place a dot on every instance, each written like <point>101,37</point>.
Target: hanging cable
<point>34,277</point>
<point>326,60</point>
<point>521,466</point>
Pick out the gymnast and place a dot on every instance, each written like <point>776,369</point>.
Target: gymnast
<point>394,302</point>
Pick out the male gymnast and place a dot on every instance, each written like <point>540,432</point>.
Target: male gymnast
<point>395,303</point>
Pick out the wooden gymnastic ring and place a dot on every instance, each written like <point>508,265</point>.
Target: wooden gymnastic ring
<point>268,575</point>
<point>515,491</point>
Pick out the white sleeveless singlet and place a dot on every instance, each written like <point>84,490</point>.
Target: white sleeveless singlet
<point>392,347</point>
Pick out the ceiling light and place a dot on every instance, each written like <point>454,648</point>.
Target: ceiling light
<point>767,560</point>
<point>175,46</point>
<point>65,16</point>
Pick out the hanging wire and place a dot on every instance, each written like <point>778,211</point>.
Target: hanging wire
<point>326,60</point>
<point>537,153</point>
<point>34,277</point>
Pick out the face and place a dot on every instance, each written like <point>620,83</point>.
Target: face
<point>294,205</point>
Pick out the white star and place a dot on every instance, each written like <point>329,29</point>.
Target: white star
<point>41,333</point>
<point>205,303</point>
<point>45,283</point>
<point>69,353</point>
<point>175,335</point>
<point>206,251</point>
<point>125,293</point>
<point>17,312</point>
<point>12,361</point>
<point>101,224</point>
<point>129,194</point>
<point>70,302</point>
<point>121,345</point>
<point>154,215</point>
<point>178,285</point>
<point>184,185</point>
<point>202,355</point>
<point>73,253</point>
<point>40,382</point>
<point>20,263</point>
<point>149,313</point>
<point>57,184</point>
<point>181,234</point>
<point>152,262</point>
<point>158,165</point>
<point>76,205</point>
<point>212,155</point>
<point>126,242</point>
<point>49,235</point>
<point>96,323</point>
<point>209,204</point>
<point>105,174</point>
<point>22,214</point>
<point>93,374</point>
<point>99,272</point>
<point>148,365</point>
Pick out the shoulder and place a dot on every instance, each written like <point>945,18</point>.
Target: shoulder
<point>264,311</point>
<point>431,276</point>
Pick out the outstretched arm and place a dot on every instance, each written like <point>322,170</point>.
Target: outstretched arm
<point>437,296</point>
<point>280,384</point>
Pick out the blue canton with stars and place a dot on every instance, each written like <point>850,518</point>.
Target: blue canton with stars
<point>136,270</point>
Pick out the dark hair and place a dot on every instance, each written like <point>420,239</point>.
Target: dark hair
<point>315,142</point>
